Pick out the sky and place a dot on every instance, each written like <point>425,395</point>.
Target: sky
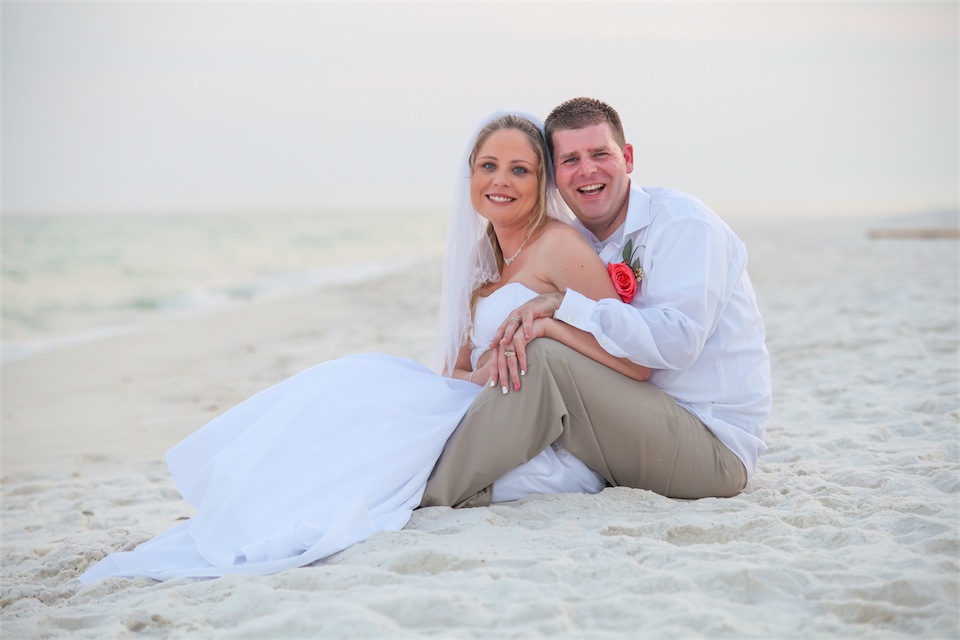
<point>756,108</point>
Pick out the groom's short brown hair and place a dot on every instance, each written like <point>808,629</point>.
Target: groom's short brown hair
<point>578,113</point>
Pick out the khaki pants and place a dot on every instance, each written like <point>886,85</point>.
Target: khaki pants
<point>630,432</point>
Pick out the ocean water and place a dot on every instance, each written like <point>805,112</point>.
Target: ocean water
<point>73,278</point>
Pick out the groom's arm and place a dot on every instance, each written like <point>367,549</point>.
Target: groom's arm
<point>577,339</point>
<point>697,267</point>
<point>587,344</point>
<point>543,306</point>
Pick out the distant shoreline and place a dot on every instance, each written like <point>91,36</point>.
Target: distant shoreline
<point>321,280</point>
<point>915,234</point>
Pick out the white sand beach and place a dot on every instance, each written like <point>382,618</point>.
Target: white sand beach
<point>850,528</point>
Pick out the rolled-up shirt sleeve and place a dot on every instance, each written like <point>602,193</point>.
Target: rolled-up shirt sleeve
<point>689,272</point>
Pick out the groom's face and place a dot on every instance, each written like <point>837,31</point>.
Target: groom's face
<point>592,176</point>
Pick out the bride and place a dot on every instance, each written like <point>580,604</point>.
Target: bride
<point>343,450</point>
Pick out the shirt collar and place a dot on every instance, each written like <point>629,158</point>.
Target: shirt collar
<point>638,211</point>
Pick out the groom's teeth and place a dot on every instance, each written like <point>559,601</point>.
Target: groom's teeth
<point>590,188</point>
<point>500,199</point>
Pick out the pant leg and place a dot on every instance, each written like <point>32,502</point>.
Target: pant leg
<point>630,432</point>
<point>498,433</point>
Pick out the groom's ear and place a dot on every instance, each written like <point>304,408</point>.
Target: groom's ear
<point>628,156</point>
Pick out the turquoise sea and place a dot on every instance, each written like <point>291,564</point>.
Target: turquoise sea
<point>73,278</point>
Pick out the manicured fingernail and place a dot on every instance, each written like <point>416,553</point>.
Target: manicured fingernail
<point>522,372</point>
<point>505,390</point>
<point>493,383</point>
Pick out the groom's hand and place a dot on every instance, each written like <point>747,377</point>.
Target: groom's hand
<point>543,306</point>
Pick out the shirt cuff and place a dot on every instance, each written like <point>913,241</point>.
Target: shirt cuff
<point>576,310</point>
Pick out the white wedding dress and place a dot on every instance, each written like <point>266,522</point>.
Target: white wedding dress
<point>323,460</point>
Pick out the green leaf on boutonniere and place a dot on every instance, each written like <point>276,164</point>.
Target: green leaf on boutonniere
<point>628,251</point>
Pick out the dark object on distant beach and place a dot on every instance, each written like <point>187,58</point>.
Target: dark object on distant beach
<point>913,234</point>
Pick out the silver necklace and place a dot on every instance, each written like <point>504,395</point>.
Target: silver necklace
<point>507,261</point>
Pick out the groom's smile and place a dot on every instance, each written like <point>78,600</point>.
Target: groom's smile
<point>591,189</point>
<point>592,176</point>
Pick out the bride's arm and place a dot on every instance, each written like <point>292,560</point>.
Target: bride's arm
<point>463,370</point>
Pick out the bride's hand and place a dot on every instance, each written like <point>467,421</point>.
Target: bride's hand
<point>512,358</point>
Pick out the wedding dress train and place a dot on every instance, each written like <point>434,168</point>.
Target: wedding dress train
<point>323,460</point>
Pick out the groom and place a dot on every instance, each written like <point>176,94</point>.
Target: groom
<point>696,427</point>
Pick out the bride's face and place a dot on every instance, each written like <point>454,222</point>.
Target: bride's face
<point>504,186</point>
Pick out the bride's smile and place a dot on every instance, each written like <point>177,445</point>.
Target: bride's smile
<point>504,187</point>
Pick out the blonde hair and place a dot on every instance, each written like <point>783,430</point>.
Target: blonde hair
<point>539,217</point>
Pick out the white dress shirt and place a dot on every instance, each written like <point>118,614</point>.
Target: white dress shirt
<point>694,320</point>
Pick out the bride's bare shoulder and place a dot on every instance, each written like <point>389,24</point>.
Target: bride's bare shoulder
<point>558,235</point>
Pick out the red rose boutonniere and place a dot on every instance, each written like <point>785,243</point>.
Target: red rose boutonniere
<point>626,275</point>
